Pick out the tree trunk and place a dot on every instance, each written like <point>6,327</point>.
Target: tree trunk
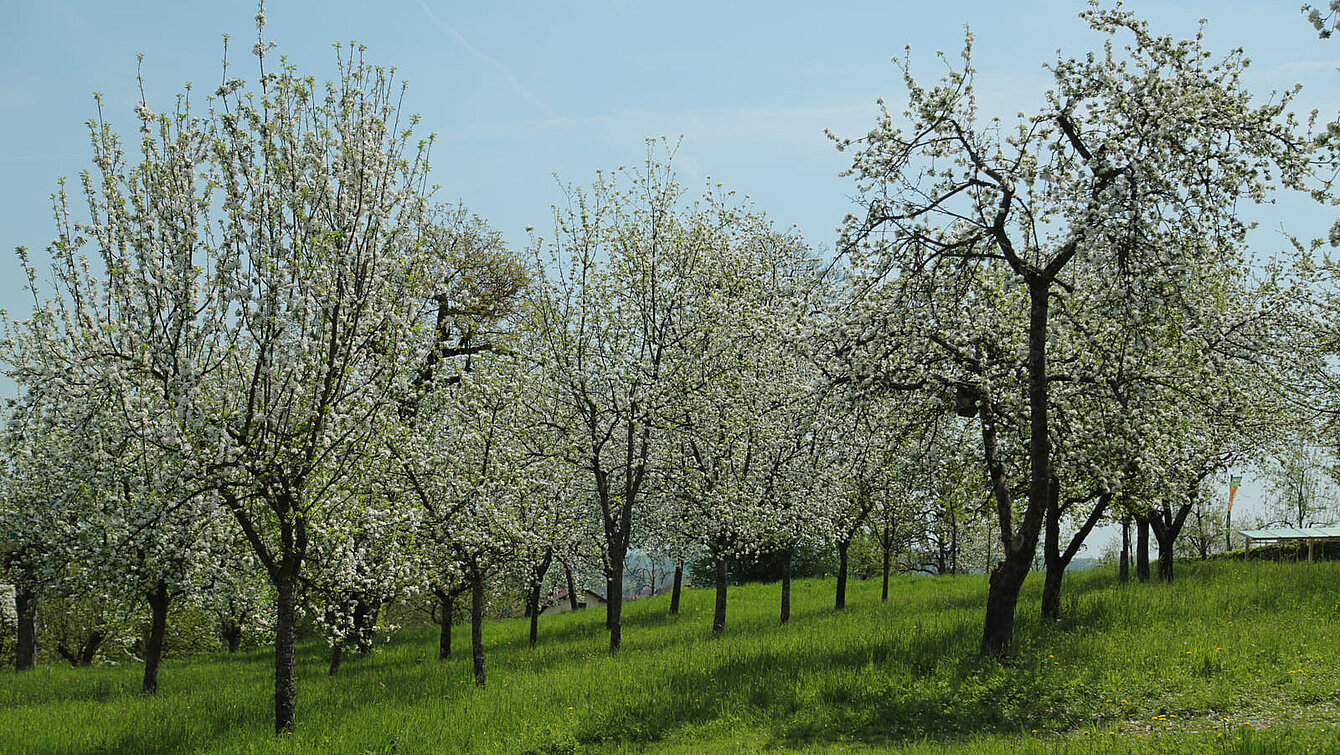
<point>572,587</point>
<point>1008,577</point>
<point>840,600</point>
<point>1142,548</point>
<point>614,606</point>
<point>1058,560</point>
<point>153,647</point>
<point>232,634</point>
<point>1167,526</point>
<point>1051,558</point>
<point>722,581</point>
<point>477,627</point>
<point>447,601</point>
<point>336,657</point>
<point>1001,599</point>
<point>533,608</point>
<point>888,554</point>
<point>953,542</point>
<point>25,655</point>
<point>786,585</point>
<point>537,584</point>
<point>286,613</point>
<point>84,654</point>
<point>1124,571</point>
<point>89,651</point>
<point>674,591</point>
<point>1166,559</point>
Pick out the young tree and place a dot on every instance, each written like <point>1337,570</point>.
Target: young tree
<point>607,325</point>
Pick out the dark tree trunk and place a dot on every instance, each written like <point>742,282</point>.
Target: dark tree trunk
<point>722,582</point>
<point>1001,599</point>
<point>572,587</point>
<point>786,585</point>
<point>286,613</point>
<point>1142,548</point>
<point>446,601</point>
<point>888,554</point>
<point>1166,559</point>
<point>84,654</point>
<point>153,647</point>
<point>477,627</point>
<point>840,600</point>
<point>232,634</point>
<point>1167,526</point>
<point>1124,571</point>
<point>533,608</point>
<point>614,606</point>
<point>1051,558</point>
<point>536,585</point>
<point>1007,579</point>
<point>679,585</point>
<point>953,542</point>
<point>336,657</point>
<point>1058,560</point>
<point>25,652</point>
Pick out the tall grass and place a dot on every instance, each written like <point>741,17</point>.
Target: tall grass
<point>1232,657</point>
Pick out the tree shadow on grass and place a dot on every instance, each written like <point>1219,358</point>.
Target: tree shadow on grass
<point>782,694</point>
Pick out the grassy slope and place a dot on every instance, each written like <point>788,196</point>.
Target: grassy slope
<point>1247,652</point>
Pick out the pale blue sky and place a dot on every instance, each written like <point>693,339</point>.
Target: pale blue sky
<point>518,92</point>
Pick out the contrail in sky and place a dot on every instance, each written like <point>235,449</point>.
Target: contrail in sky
<point>502,69</point>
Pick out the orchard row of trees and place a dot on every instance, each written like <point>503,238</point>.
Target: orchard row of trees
<point>267,374</point>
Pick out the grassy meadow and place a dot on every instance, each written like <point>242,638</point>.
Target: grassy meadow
<point>1231,657</point>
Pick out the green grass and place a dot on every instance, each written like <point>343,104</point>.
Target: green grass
<point>1230,658</point>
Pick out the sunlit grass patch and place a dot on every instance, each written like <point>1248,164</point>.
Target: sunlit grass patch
<point>1229,658</point>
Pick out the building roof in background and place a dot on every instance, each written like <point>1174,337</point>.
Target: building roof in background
<point>1292,533</point>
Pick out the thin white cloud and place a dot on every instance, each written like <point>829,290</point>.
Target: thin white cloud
<point>502,70</point>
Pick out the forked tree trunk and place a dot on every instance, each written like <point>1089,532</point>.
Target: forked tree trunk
<point>537,584</point>
<point>1057,560</point>
<point>679,585</point>
<point>84,654</point>
<point>722,581</point>
<point>231,630</point>
<point>153,647</point>
<point>1167,526</point>
<point>786,585</point>
<point>477,628</point>
<point>840,600</point>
